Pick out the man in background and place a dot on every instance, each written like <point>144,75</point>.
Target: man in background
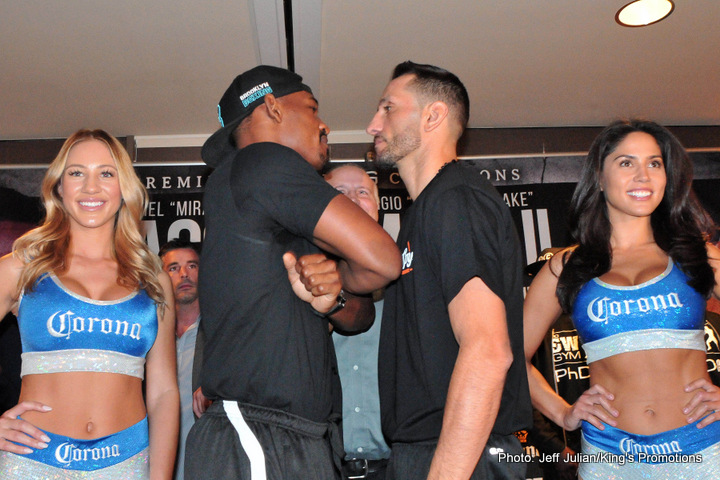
<point>366,452</point>
<point>181,261</point>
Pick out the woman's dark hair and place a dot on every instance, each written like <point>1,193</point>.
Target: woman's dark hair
<point>679,223</point>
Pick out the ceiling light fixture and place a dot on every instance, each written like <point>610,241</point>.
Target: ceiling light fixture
<point>640,13</point>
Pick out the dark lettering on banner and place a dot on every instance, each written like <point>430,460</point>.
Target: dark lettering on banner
<point>175,209</point>
<point>537,191</point>
<point>394,198</point>
<point>537,209</point>
<point>568,357</point>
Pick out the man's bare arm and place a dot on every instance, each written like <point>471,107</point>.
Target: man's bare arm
<point>369,258</point>
<point>478,320</point>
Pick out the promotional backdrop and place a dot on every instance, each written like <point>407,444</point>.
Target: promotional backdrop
<point>537,190</point>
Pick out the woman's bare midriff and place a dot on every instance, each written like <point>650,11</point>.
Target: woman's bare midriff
<point>649,387</point>
<point>85,405</point>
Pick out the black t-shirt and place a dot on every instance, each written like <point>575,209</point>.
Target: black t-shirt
<point>457,229</point>
<point>264,345</point>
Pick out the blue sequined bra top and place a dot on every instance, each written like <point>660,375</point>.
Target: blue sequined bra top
<point>664,312</point>
<point>62,331</point>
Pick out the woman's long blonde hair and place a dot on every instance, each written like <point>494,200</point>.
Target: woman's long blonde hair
<point>44,248</point>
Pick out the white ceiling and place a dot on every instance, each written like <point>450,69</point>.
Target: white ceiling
<point>156,68</point>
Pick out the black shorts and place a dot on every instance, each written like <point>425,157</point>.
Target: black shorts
<point>239,441</point>
<point>412,460</point>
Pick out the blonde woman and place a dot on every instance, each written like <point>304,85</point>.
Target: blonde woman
<point>96,317</point>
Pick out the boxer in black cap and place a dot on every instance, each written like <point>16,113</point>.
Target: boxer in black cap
<point>269,364</point>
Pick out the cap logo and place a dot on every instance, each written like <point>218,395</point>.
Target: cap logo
<point>258,91</point>
<point>222,123</point>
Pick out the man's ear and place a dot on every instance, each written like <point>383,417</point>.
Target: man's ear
<point>274,110</point>
<point>434,114</point>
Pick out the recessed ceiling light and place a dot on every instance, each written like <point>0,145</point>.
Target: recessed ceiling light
<point>644,12</point>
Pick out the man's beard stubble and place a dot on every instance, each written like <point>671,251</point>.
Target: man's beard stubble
<point>399,147</point>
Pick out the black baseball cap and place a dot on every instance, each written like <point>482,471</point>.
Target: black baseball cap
<point>243,95</point>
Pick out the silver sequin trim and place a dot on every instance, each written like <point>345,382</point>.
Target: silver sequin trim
<point>82,360</point>
<point>18,467</point>
<point>644,340</point>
